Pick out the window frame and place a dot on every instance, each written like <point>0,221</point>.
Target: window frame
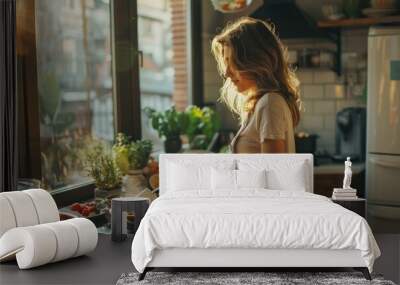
<point>195,54</point>
<point>126,85</point>
<point>125,75</point>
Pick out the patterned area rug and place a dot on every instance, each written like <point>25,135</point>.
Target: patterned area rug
<point>242,278</point>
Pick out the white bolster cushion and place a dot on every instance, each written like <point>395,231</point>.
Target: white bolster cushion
<point>33,246</point>
<point>87,235</point>
<point>7,219</point>
<point>66,239</point>
<point>26,208</point>
<point>23,209</point>
<point>40,244</point>
<point>45,205</point>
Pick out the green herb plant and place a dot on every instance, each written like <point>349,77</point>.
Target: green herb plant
<point>100,165</point>
<point>202,125</point>
<point>169,123</point>
<point>131,155</point>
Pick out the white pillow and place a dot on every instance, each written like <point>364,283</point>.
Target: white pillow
<point>282,174</point>
<point>294,180</point>
<point>183,178</point>
<point>189,176</point>
<point>236,179</point>
<point>223,179</point>
<point>251,178</point>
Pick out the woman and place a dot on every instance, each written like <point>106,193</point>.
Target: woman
<point>259,86</point>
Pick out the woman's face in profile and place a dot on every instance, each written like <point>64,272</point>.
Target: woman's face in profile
<point>238,79</point>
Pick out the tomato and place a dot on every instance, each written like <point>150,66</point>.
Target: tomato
<point>86,211</point>
<point>153,166</point>
<point>91,208</point>
<point>225,7</point>
<point>76,207</point>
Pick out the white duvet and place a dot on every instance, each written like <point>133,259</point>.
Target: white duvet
<point>253,218</point>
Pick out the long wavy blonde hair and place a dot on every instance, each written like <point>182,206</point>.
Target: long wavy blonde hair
<point>259,55</point>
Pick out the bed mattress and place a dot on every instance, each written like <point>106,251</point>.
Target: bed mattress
<point>250,219</point>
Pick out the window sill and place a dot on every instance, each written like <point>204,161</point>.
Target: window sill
<point>69,195</point>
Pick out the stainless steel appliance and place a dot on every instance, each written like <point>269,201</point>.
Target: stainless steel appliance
<point>350,134</point>
<point>383,124</point>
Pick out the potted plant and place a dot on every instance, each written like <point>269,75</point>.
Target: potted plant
<point>100,165</point>
<point>201,127</point>
<point>169,124</point>
<point>131,158</point>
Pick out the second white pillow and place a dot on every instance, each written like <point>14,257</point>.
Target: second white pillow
<point>236,179</point>
<point>251,178</point>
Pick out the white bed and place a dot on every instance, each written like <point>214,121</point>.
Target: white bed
<point>202,226</point>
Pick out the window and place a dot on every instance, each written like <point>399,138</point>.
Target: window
<point>79,76</point>
<point>163,74</point>
<point>74,85</point>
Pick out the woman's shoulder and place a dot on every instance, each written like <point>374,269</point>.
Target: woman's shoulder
<point>270,99</point>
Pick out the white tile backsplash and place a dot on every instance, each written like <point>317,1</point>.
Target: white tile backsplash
<point>329,122</point>
<point>324,107</point>
<point>328,93</point>
<point>312,91</point>
<point>324,77</point>
<point>312,123</point>
<point>335,91</point>
<point>305,77</point>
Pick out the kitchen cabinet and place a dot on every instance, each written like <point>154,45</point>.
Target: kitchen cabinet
<point>334,28</point>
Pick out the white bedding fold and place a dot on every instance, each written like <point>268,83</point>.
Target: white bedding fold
<point>252,218</point>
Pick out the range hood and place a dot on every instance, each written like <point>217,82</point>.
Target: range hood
<point>290,21</point>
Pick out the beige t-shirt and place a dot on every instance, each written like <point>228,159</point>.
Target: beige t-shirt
<point>271,119</point>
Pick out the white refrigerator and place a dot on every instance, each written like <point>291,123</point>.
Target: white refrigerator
<point>383,124</point>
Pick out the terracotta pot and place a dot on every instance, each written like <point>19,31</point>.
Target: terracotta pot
<point>134,182</point>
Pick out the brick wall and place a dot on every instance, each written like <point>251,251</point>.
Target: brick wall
<point>179,42</point>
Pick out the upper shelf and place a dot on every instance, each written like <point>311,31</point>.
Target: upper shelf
<point>359,22</point>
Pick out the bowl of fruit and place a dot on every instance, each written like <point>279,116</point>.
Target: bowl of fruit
<point>84,209</point>
<point>231,6</point>
<point>96,211</point>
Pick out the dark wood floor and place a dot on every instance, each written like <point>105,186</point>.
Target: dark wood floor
<point>110,260</point>
<point>103,266</point>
